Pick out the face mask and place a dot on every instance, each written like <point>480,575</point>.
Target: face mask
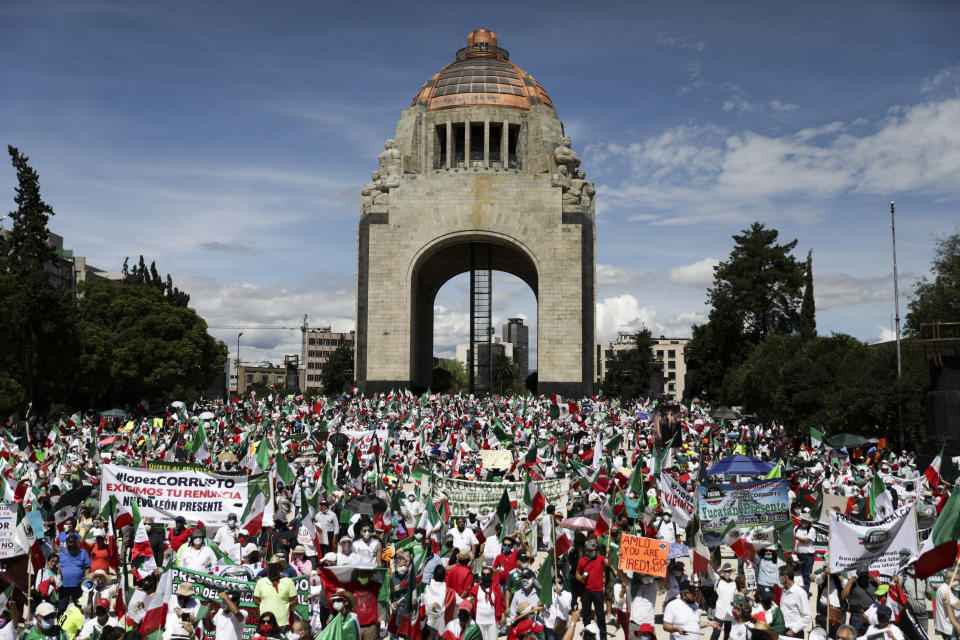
<point>232,524</point>
<point>46,623</point>
<point>418,537</point>
<point>593,553</point>
<point>265,629</point>
<point>337,606</point>
<point>460,528</point>
<point>198,543</point>
<point>527,583</point>
<point>524,565</point>
<point>365,535</point>
<point>558,588</point>
<point>101,612</point>
<point>646,579</point>
<point>486,579</point>
<point>411,500</point>
<point>464,618</point>
<point>402,570</point>
<point>507,549</point>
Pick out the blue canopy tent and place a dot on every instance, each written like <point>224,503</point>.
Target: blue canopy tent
<point>740,466</point>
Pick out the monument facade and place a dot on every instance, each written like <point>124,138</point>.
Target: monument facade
<point>478,177</point>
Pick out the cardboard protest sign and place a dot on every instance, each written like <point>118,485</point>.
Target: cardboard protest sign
<point>644,555</point>
<point>496,458</point>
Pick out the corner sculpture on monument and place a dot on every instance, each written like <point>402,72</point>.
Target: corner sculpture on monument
<point>478,178</point>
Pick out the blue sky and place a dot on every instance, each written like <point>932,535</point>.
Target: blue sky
<point>229,141</point>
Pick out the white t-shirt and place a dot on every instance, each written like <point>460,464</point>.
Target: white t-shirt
<point>202,559</point>
<point>172,626</point>
<point>683,615</point>
<point>224,537</point>
<point>890,632</point>
<point>941,619</point>
<point>227,626</point>
<point>366,552</point>
<point>739,631</point>
<point>726,590</point>
<point>86,631</point>
<point>643,603</point>
<point>464,541</point>
<point>804,532</point>
<point>486,611</point>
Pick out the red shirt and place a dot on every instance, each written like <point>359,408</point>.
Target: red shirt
<point>503,564</point>
<point>460,579</point>
<point>594,570</point>
<point>177,539</point>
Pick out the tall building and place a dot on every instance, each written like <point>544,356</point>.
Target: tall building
<point>321,343</point>
<point>515,332</point>
<point>667,351</point>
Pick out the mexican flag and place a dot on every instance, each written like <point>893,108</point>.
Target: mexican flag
<point>932,474</point>
<point>741,547</point>
<point>52,435</point>
<point>545,579</point>
<point>430,519</point>
<point>199,444</point>
<point>503,516</point>
<point>141,554</point>
<point>122,514</point>
<point>24,537</point>
<point>559,410</point>
<point>340,628</point>
<point>604,520</point>
<point>534,499</point>
<point>881,503</point>
<point>12,490</point>
<point>5,597</point>
<point>258,501</point>
<point>940,549</point>
<point>365,585</point>
<point>150,611</point>
<point>816,438</point>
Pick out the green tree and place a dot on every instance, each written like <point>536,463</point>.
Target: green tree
<point>37,339</point>
<point>629,372</point>
<point>755,293</point>
<point>808,309</point>
<point>454,373</point>
<point>136,344</point>
<point>938,300</point>
<point>504,373</point>
<point>143,276</point>
<point>337,372</point>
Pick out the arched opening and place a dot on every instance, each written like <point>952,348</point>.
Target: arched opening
<point>438,265</point>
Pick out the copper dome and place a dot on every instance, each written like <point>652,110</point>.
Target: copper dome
<point>481,75</point>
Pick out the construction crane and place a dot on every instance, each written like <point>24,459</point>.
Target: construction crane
<point>304,328</point>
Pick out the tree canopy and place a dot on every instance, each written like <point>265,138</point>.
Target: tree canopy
<point>938,300</point>
<point>337,372</point>
<point>629,372</point>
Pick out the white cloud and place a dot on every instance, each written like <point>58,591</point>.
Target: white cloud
<point>328,299</point>
<point>947,78</point>
<point>832,290</point>
<point>687,318</point>
<point>609,275</point>
<point>681,42</point>
<point>884,334</point>
<point>712,174</point>
<point>698,274</point>
<point>695,79</point>
<point>741,105</point>
<point>624,313</point>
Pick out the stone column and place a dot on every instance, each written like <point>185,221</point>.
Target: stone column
<point>504,141</point>
<point>486,144</point>
<point>466,144</point>
<point>449,144</point>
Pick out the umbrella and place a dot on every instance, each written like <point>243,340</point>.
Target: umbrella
<point>842,440</point>
<point>176,404</point>
<point>740,466</point>
<point>365,504</point>
<point>339,441</point>
<point>206,415</point>
<point>725,413</point>
<point>227,456</point>
<point>113,413</point>
<point>579,523</point>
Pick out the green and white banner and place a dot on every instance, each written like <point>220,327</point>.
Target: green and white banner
<point>484,496</point>
<point>883,545</point>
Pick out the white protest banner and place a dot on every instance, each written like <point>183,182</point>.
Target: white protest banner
<point>196,495</point>
<point>8,523</point>
<point>882,545</point>
<point>677,498</point>
<point>484,496</point>
<point>496,458</point>
<point>832,503</point>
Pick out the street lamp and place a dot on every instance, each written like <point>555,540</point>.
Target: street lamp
<point>238,362</point>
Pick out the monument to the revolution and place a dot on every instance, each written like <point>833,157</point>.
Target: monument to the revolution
<point>479,177</point>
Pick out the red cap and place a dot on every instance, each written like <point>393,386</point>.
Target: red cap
<point>103,602</point>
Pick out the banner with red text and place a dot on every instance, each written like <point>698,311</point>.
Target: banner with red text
<point>196,495</point>
<point>675,496</point>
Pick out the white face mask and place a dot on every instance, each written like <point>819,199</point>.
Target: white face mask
<point>366,535</point>
<point>418,537</point>
<point>337,606</point>
<point>646,579</point>
<point>402,570</point>
<point>198,543</point>
<point>527,583</point>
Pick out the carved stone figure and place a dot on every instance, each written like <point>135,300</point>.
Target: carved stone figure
<point>390,164</point>
<point>374,192</point>
<point>562,179</point>
<point>583,188</point>
<point>565,156</point>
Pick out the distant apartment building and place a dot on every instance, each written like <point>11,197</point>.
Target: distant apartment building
<point>517,334</point>
<point>668,351</point>
<point>68,271</point>
<point>321,343</point>
<point>267,374</point>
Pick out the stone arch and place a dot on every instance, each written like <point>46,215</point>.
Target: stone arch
<point>443,259</point>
